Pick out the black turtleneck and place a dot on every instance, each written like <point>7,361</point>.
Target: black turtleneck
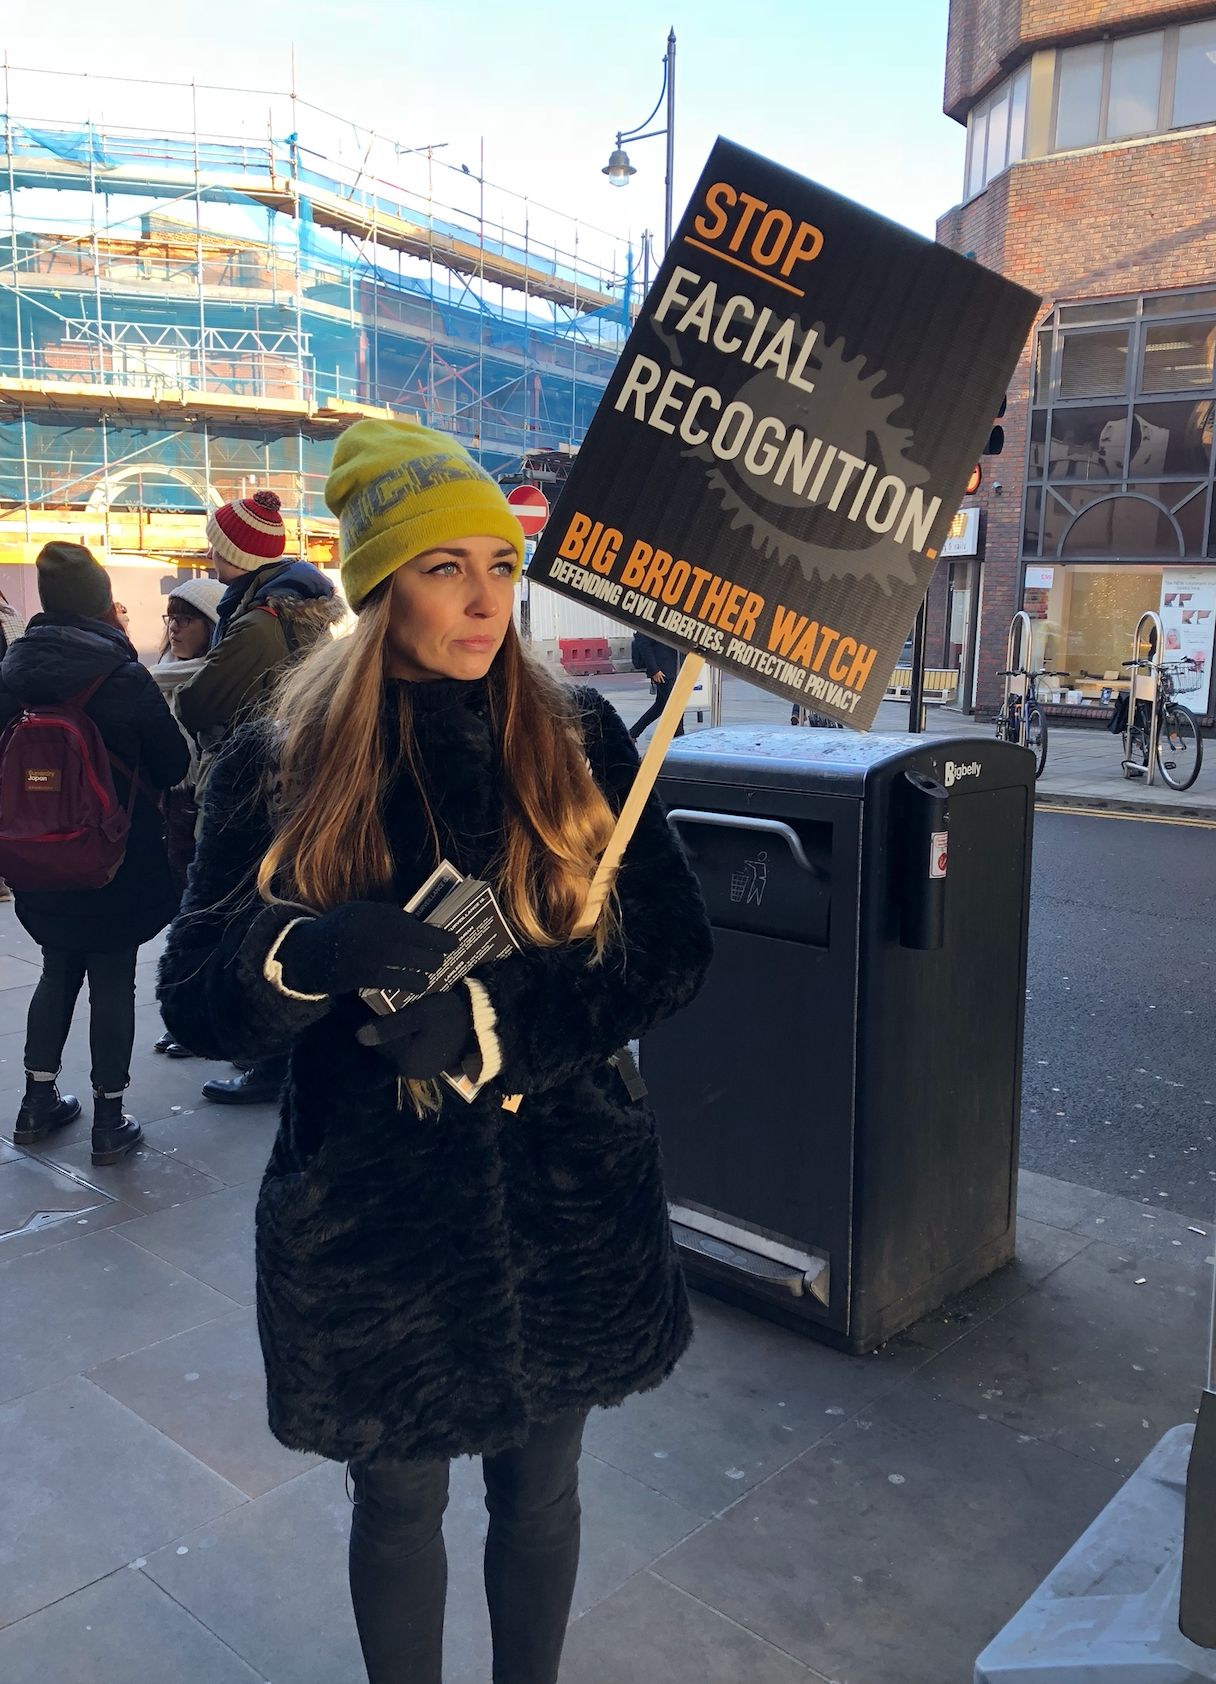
<point>457,760</point>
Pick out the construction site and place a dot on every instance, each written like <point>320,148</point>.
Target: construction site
<point>191,312</point>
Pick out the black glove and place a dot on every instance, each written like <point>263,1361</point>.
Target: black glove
<point>364,944</point>
<point>423,1040</point>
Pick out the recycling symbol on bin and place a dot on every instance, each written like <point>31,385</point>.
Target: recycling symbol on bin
<point>747,886</point>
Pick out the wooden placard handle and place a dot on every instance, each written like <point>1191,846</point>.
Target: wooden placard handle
<point>639,793</point>
<point>627,822</point>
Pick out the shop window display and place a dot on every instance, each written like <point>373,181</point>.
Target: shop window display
<point>1084,616</point>
<point>1120,513</point>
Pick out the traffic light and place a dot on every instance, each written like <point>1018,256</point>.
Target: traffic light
<point>996,438</point>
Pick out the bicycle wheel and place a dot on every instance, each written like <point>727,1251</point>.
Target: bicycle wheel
<point>1036,738</point>
<point>1135,761</point>
<point>1006,723</point>
<point>1179,747</point>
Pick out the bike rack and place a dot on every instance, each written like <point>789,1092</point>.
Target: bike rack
<point>1144,688</point>
<point>1018,648</point>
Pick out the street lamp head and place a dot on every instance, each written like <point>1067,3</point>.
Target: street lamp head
<point>618,169</point>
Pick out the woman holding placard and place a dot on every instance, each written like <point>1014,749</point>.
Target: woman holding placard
<point>435,1277</point>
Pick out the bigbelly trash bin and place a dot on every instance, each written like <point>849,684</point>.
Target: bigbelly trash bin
<point>839,1106</point>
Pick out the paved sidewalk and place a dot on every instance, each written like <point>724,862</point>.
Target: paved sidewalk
<point>778,1512</point>
<point>1083,762</point>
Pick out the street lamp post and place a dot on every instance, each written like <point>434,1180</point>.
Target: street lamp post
<point>619,170</point>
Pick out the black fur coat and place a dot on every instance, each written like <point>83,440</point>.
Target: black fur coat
<point>433,1286</point>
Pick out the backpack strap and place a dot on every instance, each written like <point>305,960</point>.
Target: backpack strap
<point>81,700</point>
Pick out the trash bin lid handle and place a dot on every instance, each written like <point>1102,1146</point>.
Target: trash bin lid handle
<point>745,821</point>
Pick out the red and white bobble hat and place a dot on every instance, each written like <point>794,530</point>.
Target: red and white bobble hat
<point>248,532</point>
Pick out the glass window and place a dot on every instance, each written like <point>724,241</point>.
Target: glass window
<point>1107,310</point>
<point>977,136</point>
<point>1135,85</point>
<point>1042,365</point>
<point>1017,115</point>
<point>1088,441</point>
<point>1038,444</point>
<point>1195,77</point>
<point>1179,303</point>
<point>1176,437</point>
<point>1030,536</point>
<point>1122,526</point>
<point>998,135</point>
<point>1085,617</point>
<point>1080,96</point>
<point>1190,519</point>
<point>1093,365</point>
<point>1178,356</point>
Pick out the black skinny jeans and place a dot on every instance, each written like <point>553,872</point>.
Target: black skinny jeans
<point>111,1013</point>
<point>652,713</point>
<point>399,1571</point>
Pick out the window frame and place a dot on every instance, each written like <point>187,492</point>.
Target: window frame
<point>1052,331</point>
<point>1170,36</point>
<point>981,111</point>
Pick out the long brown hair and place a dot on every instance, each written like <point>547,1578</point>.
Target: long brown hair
<point>332,763</point>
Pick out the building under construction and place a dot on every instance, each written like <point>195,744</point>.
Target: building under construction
<point>186,315</point>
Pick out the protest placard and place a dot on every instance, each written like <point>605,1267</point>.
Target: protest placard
<point>784,442</point>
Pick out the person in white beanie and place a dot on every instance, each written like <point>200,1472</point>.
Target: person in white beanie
<point>190,620</point>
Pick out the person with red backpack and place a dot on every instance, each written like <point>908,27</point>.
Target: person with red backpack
<point>89,745</point>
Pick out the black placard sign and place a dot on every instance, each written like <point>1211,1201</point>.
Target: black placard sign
<point>783,445</point>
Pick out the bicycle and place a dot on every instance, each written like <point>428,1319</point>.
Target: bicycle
<point>807,716</point>
<point>1178,743</point>
<point>1021,719</point>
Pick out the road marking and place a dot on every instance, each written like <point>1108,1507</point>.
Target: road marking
<point>1134,818</point>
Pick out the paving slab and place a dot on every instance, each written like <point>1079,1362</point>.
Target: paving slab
<point>145,1180</point>
<point>206,1390</point>
<point>896,1549</point>
<point>121,1630</point>
<point>210,1238</point>
<point>40,1207</point>
<point>231,1143</point>
<point>1135,1227</point>
<point>80,1303</point>
<point>747,1398</point>
<point>683,1642</point>
<point>87,1487</point>
<point>269,1579</point>
<point>1097,1360</point>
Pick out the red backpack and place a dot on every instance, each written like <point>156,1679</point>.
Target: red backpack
<point>61,823</point>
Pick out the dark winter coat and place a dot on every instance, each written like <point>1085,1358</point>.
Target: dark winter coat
<point>432,1286</point>
<point>265,620</point>
<point>59,656</point>
<point>656,657</point>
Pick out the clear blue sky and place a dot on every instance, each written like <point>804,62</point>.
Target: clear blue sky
<point>848,94</point>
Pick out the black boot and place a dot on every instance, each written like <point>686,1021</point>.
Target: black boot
<point>114,1133</point>
<point>259,1085</point>
<point>44,1108</point>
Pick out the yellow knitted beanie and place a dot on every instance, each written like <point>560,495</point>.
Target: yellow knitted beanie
<point>399,489</point>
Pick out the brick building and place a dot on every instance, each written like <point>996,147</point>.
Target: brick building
<point>1090,178</point>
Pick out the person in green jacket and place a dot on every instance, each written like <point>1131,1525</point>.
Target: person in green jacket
<point>272,611</point>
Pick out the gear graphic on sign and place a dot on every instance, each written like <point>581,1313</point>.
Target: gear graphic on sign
<point>848,410</point>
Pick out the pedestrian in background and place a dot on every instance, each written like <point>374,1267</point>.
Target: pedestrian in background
<point>436,1277</point>
<point>190,621</point>
<point>12,626</point>
<point>660,662</point>
<point>271,612</point>
<point>74,651</point>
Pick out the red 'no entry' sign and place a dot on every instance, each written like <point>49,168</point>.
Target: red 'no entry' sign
<point>531,508</point>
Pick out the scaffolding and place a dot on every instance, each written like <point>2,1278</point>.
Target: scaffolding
<point>190,310</point>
